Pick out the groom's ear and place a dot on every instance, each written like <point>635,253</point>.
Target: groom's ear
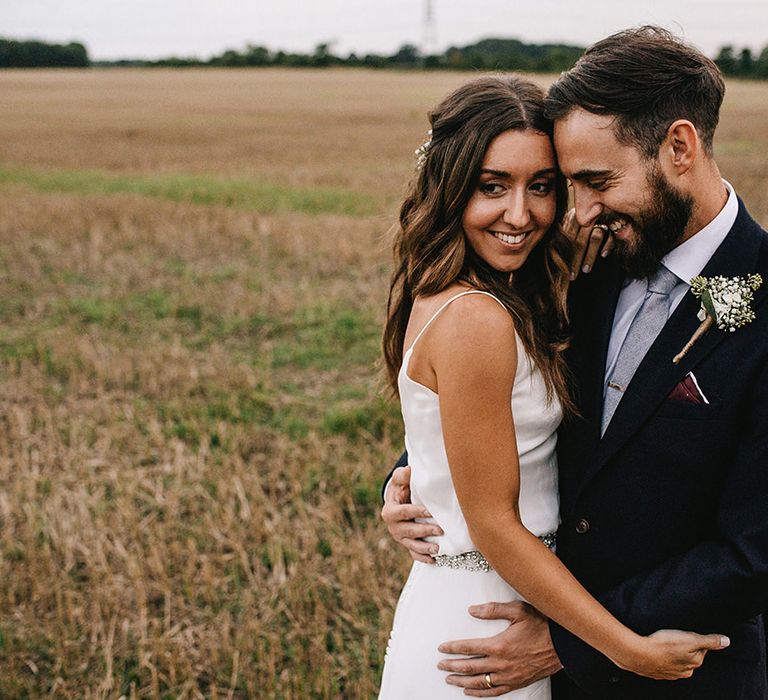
<point>680,148</point>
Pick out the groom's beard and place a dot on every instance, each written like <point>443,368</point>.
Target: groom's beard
<point>655,231</point>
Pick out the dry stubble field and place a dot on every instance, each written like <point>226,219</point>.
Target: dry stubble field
<point>193,269</point>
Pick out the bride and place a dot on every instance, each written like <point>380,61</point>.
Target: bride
<point>473,345</point>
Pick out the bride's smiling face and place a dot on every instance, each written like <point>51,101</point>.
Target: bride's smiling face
<point>514,203</point>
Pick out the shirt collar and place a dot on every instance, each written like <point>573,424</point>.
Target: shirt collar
<point>690,257</point>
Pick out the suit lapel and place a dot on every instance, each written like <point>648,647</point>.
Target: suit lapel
<point>657,375</point>
<point>600,303</point>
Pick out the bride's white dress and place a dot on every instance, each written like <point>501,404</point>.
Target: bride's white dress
<point>433,604</point>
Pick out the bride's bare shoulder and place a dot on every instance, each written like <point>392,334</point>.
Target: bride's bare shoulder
<point>471,319</point>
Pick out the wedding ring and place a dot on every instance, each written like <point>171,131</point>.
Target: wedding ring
<point>488,681</point>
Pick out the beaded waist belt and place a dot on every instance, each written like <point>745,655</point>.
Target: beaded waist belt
<point>475,561</point>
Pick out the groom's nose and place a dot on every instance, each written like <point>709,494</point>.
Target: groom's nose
<point>587,204</point>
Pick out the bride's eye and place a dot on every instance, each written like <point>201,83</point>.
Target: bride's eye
<point>490,187</point>
<point>543,187</point>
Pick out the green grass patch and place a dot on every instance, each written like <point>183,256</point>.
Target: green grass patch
<point>377,418</point>
<point>111,311</point>
<point>325,338</point>
<point>197,189</point>
<point>104,312</point>
<point>18,348</point>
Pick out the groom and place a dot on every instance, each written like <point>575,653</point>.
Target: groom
<point>664,476</point>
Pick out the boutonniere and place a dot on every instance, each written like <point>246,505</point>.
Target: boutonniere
<point>725,301</point>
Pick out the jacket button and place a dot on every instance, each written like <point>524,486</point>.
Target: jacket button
<point>582,526</point>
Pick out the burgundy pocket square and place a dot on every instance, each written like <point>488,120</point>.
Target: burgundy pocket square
<point>687,390</point>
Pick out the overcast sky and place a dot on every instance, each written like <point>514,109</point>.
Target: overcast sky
<point>155,28</point>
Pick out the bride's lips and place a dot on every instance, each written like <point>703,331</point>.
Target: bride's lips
<point>510,240</point>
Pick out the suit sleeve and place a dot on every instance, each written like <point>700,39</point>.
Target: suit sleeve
<point>402,462</point>
<point>719,583</point>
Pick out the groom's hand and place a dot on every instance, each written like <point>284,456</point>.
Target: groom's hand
<point>399,514</point>
<point>515,658</point>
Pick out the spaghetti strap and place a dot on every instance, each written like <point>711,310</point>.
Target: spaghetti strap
<point>453,298</point>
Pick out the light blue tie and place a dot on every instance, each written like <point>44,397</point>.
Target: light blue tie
<point>646,325</point>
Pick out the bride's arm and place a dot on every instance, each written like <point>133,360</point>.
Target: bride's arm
<point>473,354</point>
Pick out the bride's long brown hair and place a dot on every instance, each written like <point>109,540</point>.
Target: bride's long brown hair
<point>430,248</point>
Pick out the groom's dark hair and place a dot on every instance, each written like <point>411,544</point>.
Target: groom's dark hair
<point>647,78</point>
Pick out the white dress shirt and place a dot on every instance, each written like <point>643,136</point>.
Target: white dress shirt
<point>686,261</point>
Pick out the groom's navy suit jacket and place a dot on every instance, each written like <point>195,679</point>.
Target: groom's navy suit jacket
<point>665,519</point>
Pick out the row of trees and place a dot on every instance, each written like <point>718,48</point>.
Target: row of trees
<point>39,54</point>
<point>488,54</point>
<point>743,64</point>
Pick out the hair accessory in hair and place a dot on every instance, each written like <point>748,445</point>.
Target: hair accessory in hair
<point>421,151</point>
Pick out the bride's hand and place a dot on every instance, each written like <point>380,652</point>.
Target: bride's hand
<point>589,241</point>
<point>672,654</point>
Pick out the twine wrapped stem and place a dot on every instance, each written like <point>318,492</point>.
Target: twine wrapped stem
<point>706,324</point>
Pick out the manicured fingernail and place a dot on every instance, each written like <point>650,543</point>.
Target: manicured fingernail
<point>427,514</point>
<point>605,253</point>
<point>573,276</point>
<point>474,609</point>
<point>441,649</point>
<point>441,666</point>
<point>585,268</point>
<point>450,681</point>
<point>725,642</point>
<point>437,531</point>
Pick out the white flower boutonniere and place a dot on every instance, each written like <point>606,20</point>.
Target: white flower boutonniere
<point>725,301</point>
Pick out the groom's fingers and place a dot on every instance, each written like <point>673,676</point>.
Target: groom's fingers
<point>465,647</point>
<point>398,512</point>
<point>410,530</point>
<point>489,692</point>
<point>421,548</point>
<point>398,488</point>
<point>423,558</point>
<point>477,687</point>
<point>400,519</point>
<point>500,611</point>
<point>401,477</point>
<point>467,667</point>
<point>514,658</point>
